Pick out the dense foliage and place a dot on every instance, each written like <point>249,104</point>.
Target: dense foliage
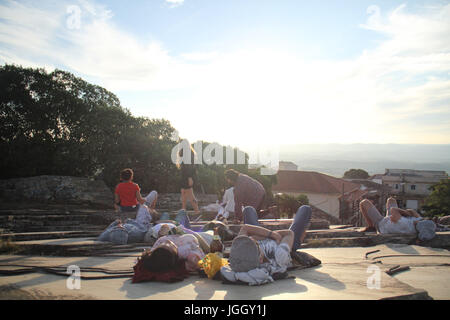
<point>356,174</point>
<point>57,124</point>
<point>288,204</point>
<point>438,202</point>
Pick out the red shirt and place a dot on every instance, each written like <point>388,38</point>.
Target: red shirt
<point>127,193</point>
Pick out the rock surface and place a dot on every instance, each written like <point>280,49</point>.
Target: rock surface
<point>57,189</point>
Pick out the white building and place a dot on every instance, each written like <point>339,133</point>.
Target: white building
<point>323,191</point>
<point>411,187</point>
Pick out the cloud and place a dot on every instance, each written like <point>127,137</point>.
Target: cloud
<point>175,3</point>
<point>362,99</point>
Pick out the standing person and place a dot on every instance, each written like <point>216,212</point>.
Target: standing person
<point>127,195</point>
<point>188,177</point>
<point>247,192</point>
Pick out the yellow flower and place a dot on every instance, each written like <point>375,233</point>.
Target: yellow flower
<point>211,264</point>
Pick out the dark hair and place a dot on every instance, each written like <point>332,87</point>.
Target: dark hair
<point>126,174</point>
<point>160,260</point>
<point>232,175</point>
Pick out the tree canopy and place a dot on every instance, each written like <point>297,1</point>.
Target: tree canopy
<point>438,202</point>
<point>54,123</point>
<point>356,174</point>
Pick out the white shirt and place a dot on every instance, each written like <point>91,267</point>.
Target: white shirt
<point>228,199</point>
<point>403,225</point>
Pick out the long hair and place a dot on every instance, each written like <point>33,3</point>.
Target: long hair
<point>160,260</point>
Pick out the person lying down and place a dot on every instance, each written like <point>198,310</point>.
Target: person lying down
<point>396,220</point>
<point>176,252</point>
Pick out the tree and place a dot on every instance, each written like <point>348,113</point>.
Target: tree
<point>438,202</point>
<point>56,123</point>
<point>356,174</point>
<point>289,204</point>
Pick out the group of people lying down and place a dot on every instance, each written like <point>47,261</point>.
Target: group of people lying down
<point>256,253</point>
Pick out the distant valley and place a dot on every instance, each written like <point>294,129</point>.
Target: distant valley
<point>335,159</point>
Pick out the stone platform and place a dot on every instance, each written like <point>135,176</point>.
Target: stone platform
<point>343,275</point>
<point>61,236</point>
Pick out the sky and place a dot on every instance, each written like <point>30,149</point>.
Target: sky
<point>251,73</point>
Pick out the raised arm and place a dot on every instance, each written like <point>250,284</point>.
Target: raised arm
<point>139,197</point>
<point>259,233</point>
<point>116,202</point>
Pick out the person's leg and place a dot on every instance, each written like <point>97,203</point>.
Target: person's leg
<point>135,231</point>
<point>183,199</point>
<point>104,236</point>
<point>390,203</point>
<point>183,219</point>
<point>192,199</point>
<point>250,216</point>
<point>151,198</point>
<point>370,213</point>
<point>300,224</point>
<point>287,236</point>
<point>260,205</point>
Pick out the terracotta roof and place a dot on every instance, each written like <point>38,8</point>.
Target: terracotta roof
<point>311,182</point>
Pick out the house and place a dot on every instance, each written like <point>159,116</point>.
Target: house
<point>331,195</point>
<point>287,166</point>
<point>411,187</point>
<point>374,191</point>
<point>377,178</point>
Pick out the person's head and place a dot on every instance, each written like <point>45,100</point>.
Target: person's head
<point>231,176</point>
<point>426,230</point>
<point>161,259</point>
<point>126,174</point>
<point>245,254</point>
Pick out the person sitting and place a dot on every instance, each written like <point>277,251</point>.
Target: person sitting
<point>127,194</point>
<point>247,192</point>
<point>396,220</point>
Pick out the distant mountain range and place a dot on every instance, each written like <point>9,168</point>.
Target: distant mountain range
<point>335,159</point>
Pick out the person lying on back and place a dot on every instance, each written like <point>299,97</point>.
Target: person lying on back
<point>396,220</point>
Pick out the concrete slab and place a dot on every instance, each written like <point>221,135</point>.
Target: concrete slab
<point>342,275</point>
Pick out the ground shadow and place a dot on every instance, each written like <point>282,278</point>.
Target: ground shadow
<point>320,278</point>
<point>147,289</point>
<point>405,249</point>
<point>46,278</point>
<point>245,292</point>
